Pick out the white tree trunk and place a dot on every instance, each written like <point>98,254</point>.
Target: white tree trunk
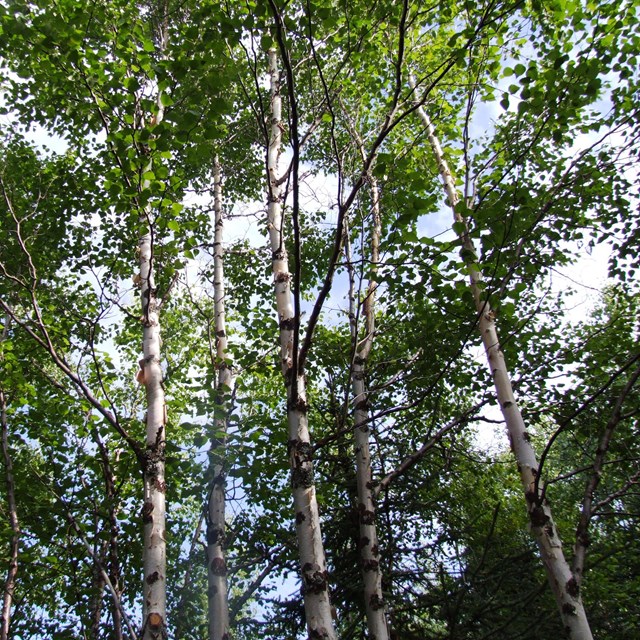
<point>216,565</point>
<point>543,529</point>
<point>153,509</point>
<point>154,605</point>
<point>313,567</point>
<point>368,542</point>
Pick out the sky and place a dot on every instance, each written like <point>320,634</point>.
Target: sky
<point>585,277</point>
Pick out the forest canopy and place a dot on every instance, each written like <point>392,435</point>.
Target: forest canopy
<point>319,319</point>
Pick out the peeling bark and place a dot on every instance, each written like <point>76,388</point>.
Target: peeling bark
<point>315,586</point>
<point>543,529</point>
<point>153,510</point>
<point>368,542</point>
<point>154,606</point>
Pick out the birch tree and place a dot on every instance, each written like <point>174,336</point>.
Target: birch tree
<point>543,528</point>
<point>369,545</point>
<point>136,120</point>
<point>154,609</point>
<point>312,560</point>
<point>216,565</point>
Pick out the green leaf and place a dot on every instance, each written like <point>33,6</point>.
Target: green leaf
<point>166,99</point>
<point>459,228</point>
<point>519,69</point>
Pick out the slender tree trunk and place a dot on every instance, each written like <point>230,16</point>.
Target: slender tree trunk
<point>216,565</point>
<point>153,509</point>
<point>315,585</point>
<point>154,605</point>
<point>97,562</point>
<point>14,547</point>
<point>181,621</point>
<point>369,547</point>
<point>543,528</point>
<point>154,616</point>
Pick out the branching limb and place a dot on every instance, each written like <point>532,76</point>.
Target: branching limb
<point>582,530</point>
<point>411,460</point>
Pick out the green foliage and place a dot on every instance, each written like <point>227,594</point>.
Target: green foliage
<point>535,106</point>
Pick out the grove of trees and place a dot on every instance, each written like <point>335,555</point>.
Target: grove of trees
<point>297,333</point>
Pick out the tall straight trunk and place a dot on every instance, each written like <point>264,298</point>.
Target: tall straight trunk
<point>216,565</point>
<point>153,509</point>
<point>315,585</point>
<point>9,586</point>
<point>368,542</point>
<point>563,583</point>
<point>154,603</point>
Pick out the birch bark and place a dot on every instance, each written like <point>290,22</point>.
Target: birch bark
<point>562,581</point>
<point>313,566</point>
<point>216,565</point>
<point>154,606</point>
<point>153,509</point>
<point>368,542</point>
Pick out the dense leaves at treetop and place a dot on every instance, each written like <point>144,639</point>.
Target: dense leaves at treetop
<point>258,254</point>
